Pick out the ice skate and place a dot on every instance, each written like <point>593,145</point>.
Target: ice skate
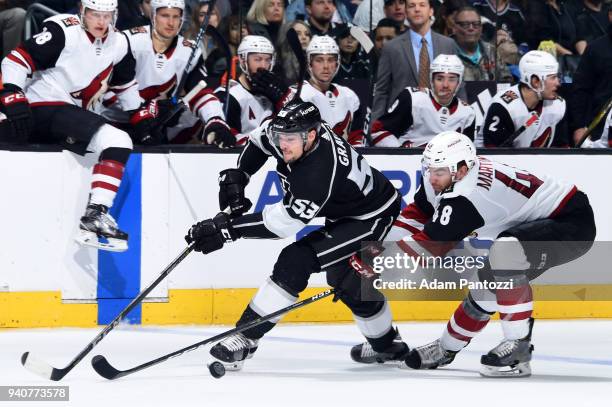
<point>234,350</point>
<point>364,353</point>
<point>430,356</point>
<point>509,359</point>
<point>98,229</point>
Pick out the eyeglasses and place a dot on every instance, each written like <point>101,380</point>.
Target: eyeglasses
<point>468,24</point>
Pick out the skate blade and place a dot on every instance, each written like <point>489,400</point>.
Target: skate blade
<point>90,239</point>
<point>232,366</point>
<point>518,370</point>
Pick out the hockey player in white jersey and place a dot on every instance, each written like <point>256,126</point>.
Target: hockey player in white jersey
<point>322,176</point>
<point>417,115</point>
<point>464,195</point>
<point>161,58</point>
<point>604,141</point>
<point>249,107</point>
<point>73,62</point>
<point>339,105</point>
<point>533,103</point>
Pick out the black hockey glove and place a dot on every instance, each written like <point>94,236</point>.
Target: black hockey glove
<point>218,132</point>
<point>211,234</point>
<point>143,122</point>
<point>231,191</point>
<point>269,84</point>
<point>15,105</point>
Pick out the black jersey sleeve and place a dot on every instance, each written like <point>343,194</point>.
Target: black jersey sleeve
<point>124,72</point>
<point>43,50</point>
<point>498,126</point>
<point>454,219</point>
<point>470,129</point>
<point>233,115</point>
<point>396,121</point>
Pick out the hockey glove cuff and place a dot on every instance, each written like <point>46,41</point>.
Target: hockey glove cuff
<point>143,121</point>
<point>231,191</point>
<point>218,132</point>
<point>15,105</point>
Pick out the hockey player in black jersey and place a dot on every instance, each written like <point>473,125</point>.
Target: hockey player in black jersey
<point>321,176</point>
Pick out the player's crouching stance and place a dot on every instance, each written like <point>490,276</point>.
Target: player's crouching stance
<point>161,55</point>
<point>73,61</point>
<point>322,176</point>
<point>463,194</point>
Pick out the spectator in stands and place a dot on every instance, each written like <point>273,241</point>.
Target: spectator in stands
<point>215,61</point>
<point>265,18</point>
<point>230,29</point>
<point>592,86</point>
<point>445,16</point>
<point>419,46</point>
<point>478,56</point>
<point>507,17</point>
<point>550,20</point>
<point>12,17</point>
<point>385,31</point>
<point>396,10</point>
<point>287,65</point>
<point>591,23</point>
<point>362,15</point>
<point>297,11</point>
<point>130,14</point>
<point>223,6</point>
<point>320,14</point>
<point>353,63</point>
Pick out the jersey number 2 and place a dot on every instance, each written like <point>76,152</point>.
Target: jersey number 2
<point>526,190</point>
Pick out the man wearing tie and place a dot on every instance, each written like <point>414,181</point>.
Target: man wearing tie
<point>405,60</point>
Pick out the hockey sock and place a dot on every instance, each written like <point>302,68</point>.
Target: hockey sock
<point>515,307</point>
<point>377,328</point>
<point>467,321</point>
<point>269,298</point>
<point>107,175</point>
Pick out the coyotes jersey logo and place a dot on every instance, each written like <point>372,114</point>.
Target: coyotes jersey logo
<point>159,92</point>
<point>92,93</point>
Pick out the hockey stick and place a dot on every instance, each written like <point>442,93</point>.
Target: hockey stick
<point>47,371</point>
<point>198,39</point>
<point>106,370</point>
<point>296,47</point>
<point>602,113</point>
<point>176,109</point>
<point>228,58</point>
<point>532,119</point>
<point>362,38</point>
<point>367,45</point>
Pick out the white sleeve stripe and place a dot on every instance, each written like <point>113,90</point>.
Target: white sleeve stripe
<point>278,221</point>
<point>22,59</point>
<point>242,225</point>
<point>124,86</point>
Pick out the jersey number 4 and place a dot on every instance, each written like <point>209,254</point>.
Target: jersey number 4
<point>527,189</point>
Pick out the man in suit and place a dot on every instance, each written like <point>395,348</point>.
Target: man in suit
<point>402,58</point>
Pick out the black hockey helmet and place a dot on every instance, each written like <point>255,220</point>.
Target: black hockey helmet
<point>296,117</point>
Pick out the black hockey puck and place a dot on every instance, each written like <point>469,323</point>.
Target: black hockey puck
<point>217,370</point>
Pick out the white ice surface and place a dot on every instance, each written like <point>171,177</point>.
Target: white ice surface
<point>309,365</point>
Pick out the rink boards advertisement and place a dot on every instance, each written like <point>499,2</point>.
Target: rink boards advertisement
<point>46,279</point>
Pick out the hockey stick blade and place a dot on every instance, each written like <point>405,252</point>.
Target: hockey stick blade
<point>41,368</point>
<point>47,371</point>
<point>296,47</point>
<point>362,38</point>
<point>103,367</point>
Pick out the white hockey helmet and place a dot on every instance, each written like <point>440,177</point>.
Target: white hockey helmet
<point>538,63</point>
<point>99,5</point>
<point>323,45</point>
<point>447,150</point>
<point>254,44</point>
<point>157,4</point>
<point>446,64</point>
